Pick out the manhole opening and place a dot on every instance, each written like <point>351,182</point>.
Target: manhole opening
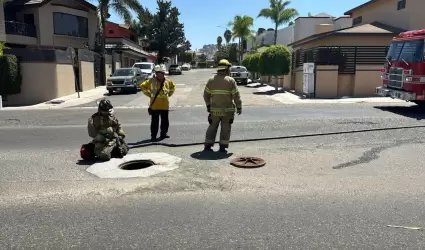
<point>137,164</point>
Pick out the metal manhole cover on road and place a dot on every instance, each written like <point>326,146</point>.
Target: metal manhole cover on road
<point>137,164</point>
<point>248,162</point>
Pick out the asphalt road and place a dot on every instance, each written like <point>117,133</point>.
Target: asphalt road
<point>336,176</point>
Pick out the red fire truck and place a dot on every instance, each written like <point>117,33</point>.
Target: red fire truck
<point>403,74</point>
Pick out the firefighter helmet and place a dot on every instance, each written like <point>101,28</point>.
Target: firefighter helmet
<point>160,68</point>
<point>105,106</point>
<point>223,64</point>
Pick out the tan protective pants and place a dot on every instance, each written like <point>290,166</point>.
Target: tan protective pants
<point>225,123</point>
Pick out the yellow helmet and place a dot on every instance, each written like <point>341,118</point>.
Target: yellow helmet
<point>223,64</point>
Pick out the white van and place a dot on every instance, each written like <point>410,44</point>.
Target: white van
<point>146,67</point>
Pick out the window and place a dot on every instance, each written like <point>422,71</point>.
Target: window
<point>357,20</point>
<point>70,25</point>
<point>401,4</point>
<point>410,51</point>
<point>124,72</point>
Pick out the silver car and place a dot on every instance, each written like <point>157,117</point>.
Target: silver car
<point>125,80</point>
<point>174,69</point>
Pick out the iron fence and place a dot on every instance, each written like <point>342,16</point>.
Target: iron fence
<point>345,57</point>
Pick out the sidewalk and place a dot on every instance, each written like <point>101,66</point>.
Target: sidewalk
<point>288,97</point>
<point>66,101</point>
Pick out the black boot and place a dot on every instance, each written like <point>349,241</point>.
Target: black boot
<point>208,148</point>
<point>223,149</point>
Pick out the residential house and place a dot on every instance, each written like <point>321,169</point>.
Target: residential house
<point>122,41</point>
<point>39,32</point>
<point>348,60</point>
<point>404,14</point>
<point>50,23</point>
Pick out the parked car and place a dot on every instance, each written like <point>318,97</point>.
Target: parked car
<point>174,69</point>
<point>146,67</point>
<point>240,74</point>
<point>186,66</point>
<point>125,80</point>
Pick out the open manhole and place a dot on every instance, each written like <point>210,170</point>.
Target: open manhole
<point>137,164</point>
<point>248,162</point>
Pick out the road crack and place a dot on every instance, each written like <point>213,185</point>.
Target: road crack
<point>372,154</point>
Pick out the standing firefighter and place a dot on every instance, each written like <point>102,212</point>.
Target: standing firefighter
<point>108,136</point>
<point>222,98</point>
<point>159,89</point>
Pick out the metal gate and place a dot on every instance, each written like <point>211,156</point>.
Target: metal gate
<point>97,70</point>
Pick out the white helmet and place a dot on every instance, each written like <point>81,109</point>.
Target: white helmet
<point>160,68</point>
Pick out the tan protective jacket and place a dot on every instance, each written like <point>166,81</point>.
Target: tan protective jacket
<point>222,95</point>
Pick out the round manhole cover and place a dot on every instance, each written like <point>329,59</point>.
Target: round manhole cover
<point>137,164</point>
<point>248,162</point>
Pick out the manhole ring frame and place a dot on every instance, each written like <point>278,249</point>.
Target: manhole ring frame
<point>131,162</point>
<point>248,162</point>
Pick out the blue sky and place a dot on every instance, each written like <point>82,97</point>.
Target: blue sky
<point>201,17</point>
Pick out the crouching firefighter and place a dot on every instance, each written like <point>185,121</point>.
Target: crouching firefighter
<point>108,136</point>
<point>222,99</point>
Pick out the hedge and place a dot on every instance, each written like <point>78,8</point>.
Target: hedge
<point>10,76</point>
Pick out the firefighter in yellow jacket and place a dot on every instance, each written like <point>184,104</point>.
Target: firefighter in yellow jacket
<point>222,99</point>
<point>162,88</point>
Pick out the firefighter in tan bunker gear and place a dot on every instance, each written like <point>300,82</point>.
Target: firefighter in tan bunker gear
<point>108,136</point>
<point>222,99</point>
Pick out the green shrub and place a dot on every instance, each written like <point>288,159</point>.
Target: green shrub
<point>275,61</point>
<point>252,63</point>
<point>10,76</point>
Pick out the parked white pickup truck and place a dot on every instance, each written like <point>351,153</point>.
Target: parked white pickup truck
<point>240,74</point>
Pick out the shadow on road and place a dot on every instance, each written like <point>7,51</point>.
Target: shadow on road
<point>269,92</point>
<point>205,156</point>
<point>416,112</point>
<point>86,162</point>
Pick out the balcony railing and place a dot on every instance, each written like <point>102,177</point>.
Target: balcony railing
<point>20,29</point>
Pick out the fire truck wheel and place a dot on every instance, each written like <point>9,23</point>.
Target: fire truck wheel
<point>420,103</point>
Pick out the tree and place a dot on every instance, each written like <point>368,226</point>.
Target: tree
<point>275,61</point>
<point>227,36</point>
<point>165,32</point>
<point>202,58</point>
<point>241,28</point>
<point>252,63</point>
<point>279,14</point>
<point>219,41</point>
<point>120,7</point>
<point>309,14</point>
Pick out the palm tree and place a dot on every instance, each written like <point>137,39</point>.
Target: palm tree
<point>241,28</point>
<point>279,14</point>
<point>228,36</point>
<point>120,7</point>
<point>219,41</point>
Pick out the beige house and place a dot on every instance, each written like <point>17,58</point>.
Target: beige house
<point>38,33</point>
<point>50,23</point>
<point>404,14</point>
<point>357,52</point>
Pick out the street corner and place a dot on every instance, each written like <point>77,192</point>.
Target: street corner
<point>135,165</point>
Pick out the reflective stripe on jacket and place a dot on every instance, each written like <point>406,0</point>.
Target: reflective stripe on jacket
<point>150,88</point>
<point>222,95</point>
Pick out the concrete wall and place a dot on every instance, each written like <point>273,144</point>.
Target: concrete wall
<point>44,24</point>
<point>343,22</point>
<point>385,11</point>
<point>331,84</point>
<point>86,76</point>
<point>42,82</point>
<point>305,27</point>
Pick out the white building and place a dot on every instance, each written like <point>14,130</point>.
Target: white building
<point>303,27</point>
